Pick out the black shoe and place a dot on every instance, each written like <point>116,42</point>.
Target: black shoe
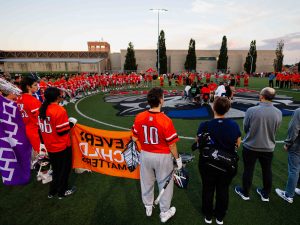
<point>239,191</point>
<point>262,195</point>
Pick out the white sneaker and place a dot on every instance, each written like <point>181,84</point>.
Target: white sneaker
<point>165,216</point>
<point>282,195</point>
<point>297,191</point>
<point>149,210</point>
<point>208,221</point>
<point>219,222</point>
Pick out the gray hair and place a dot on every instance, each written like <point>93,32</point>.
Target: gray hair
<point>268,93</point>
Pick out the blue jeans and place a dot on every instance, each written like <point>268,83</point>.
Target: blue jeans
<point>293,170</point>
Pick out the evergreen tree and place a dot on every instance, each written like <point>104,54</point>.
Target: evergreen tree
<point>279,56</point>
<point>250,63</point>
<point>223,57</point>
<point>191,61</point>
<point>163,68</point>
<point>130,61</point>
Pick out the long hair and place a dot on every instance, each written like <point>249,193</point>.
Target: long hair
<point>51,95</point>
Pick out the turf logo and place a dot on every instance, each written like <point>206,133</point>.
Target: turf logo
<point>176,106</point>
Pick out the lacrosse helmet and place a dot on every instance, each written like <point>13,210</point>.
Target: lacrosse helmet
<point>42,164</point>
<point>181,178</point>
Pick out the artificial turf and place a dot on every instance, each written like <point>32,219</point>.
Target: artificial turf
<point>105,200</point>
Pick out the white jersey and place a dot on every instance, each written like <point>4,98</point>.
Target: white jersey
<point>220,91</point>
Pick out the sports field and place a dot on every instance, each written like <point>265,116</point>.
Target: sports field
<point>108,200</point>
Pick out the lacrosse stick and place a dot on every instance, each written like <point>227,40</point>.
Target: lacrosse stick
<point>164,187</point>
<point>186,158</point>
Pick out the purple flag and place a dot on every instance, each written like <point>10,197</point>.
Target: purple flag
<point>15,149</point>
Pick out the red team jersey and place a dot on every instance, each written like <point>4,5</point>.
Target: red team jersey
<point>29,108</point>
<point>155,131</point>
<point>56,122</point>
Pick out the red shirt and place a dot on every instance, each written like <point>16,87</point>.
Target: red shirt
<point>155,131</point>
<point>205,90</point>
<point>29,108</point>
<point>56,122</point>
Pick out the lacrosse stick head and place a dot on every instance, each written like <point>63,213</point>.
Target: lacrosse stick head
<point>181,178</point>
<point>186,157</point>
<point>42,164</point>
<point>131,155</point>
<point>9,88</point>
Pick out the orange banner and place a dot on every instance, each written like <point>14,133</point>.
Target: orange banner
<point>101,151</point>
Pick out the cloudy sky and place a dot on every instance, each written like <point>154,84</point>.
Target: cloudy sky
<point>69,24</point>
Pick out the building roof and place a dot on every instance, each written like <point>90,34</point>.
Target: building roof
<point>28,60</point>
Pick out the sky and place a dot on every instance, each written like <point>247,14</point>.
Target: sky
<point>69,24</point>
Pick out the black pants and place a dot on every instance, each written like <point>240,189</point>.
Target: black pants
<point>214,181</point>
<point>265,160</point>
<point>61,165</point>
<point>271,83</point>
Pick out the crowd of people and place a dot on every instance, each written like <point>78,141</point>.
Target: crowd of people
<point>47,124</point>
<point>284,80</point>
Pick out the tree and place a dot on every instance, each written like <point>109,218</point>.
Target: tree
<point>279,56</point>
<point>130,61</point>
<point>298,67</point>
<point>223,58</point>
<point>190,62</point>
<point>162,54</point>
<point>250,63</point>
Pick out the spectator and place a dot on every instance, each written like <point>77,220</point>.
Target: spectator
<point>226,135</point>
<point>157,135</point>
<point>260,125</point>
<point>271,80</point>
<point>292,146</point>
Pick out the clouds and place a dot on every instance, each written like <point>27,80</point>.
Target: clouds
<point>291,42</point>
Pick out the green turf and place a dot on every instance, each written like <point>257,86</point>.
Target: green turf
<point>104,200</point>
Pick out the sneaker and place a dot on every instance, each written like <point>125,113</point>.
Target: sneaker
<point>282,195</point>
<point>219,222</point>
<point>297,191</point>
<point>206,220</point>
<point>148,210</point>
<point>263,196</point>
<point>50,196</point>
<point>70,191</point>
<point>239,191</point>
<point>165,216</point>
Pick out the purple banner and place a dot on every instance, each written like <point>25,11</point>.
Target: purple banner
<point>15,149</point>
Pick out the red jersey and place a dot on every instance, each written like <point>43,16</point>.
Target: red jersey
<point>56,122</point>
<point>155,131</point>
<point>205,90</point>
<point>29,108</point>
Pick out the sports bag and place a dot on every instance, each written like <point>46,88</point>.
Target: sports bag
<point>218,159</point>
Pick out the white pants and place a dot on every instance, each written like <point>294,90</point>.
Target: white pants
<point>157,167</point>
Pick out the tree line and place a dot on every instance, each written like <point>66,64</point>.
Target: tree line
<point>191,58</point>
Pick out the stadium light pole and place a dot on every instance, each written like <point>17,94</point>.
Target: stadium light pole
<point>158,10</point>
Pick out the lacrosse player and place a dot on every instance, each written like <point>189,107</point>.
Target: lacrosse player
<point>55,126</point>
<point>157,135</point>
<point>29,107</point>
